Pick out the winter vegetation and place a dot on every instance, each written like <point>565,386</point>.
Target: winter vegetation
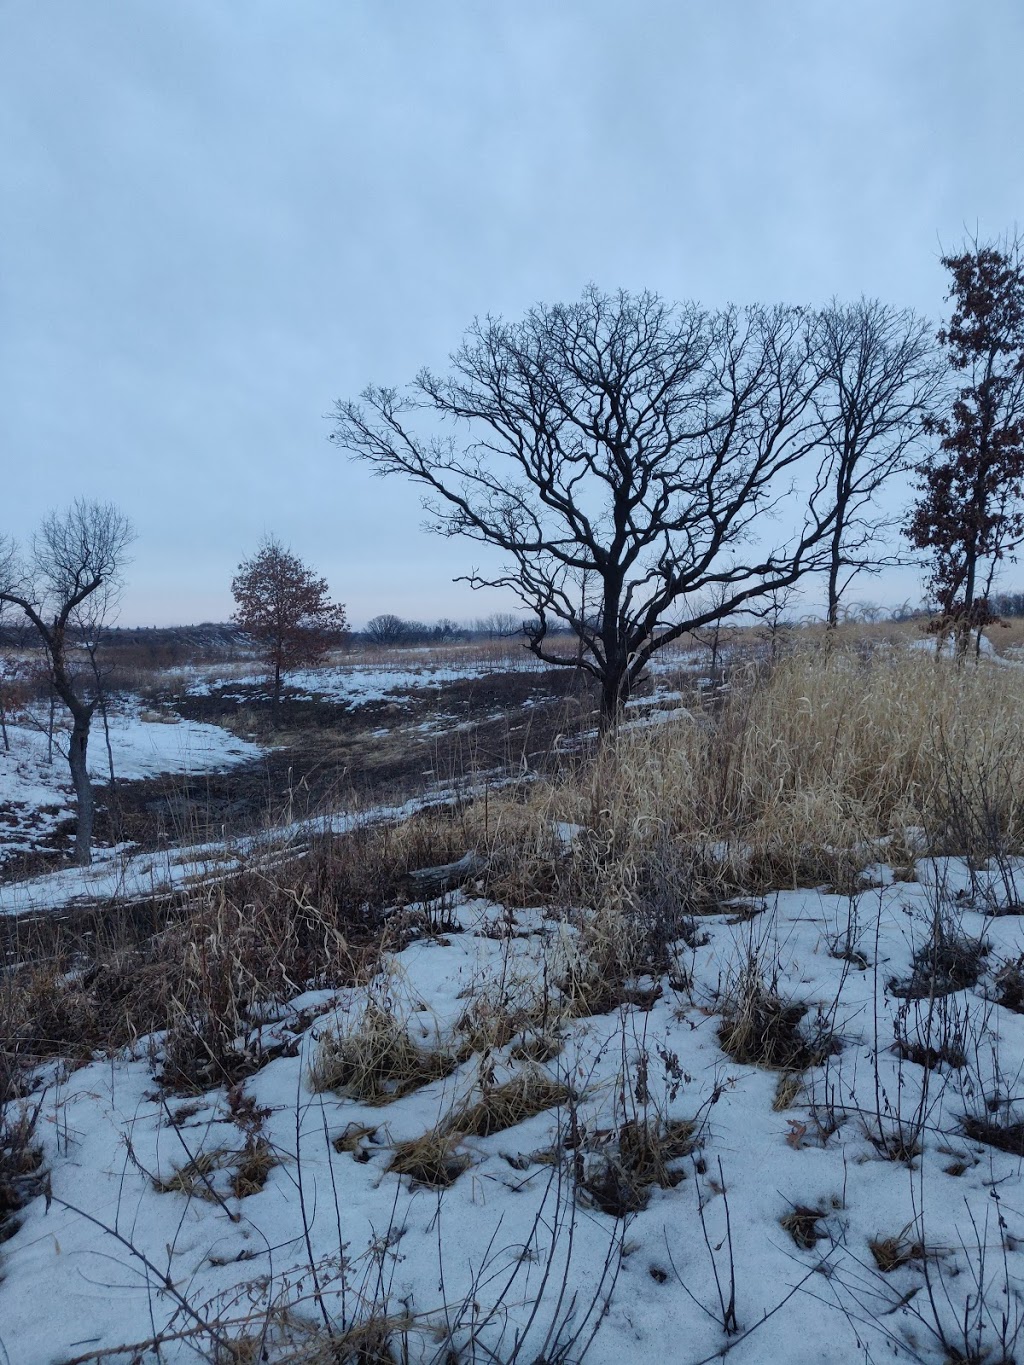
<point>637,977</point>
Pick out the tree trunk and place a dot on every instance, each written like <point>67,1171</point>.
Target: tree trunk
<point>77,756</point>
<point>615,689</point>
<point>832,615</point>
<point>962,636</point>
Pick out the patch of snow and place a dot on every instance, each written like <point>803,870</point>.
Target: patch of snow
<point>512,1227</point>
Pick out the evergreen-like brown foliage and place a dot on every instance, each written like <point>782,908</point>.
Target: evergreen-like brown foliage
<point>286,608</point>
<point>970,515</point>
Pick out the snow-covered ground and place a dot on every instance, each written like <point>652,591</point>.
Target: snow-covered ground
<point>36,793</point>
<point>126,875</point>
<point>757,1241</point>
<point>355,684</point>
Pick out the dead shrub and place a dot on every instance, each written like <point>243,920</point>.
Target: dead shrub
<point>945,964</point>
<point>640,1154</point>
<point>762,1029</point>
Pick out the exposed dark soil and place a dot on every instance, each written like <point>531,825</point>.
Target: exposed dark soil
<point>322,754</point>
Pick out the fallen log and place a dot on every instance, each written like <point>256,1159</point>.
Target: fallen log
<point>428,882</point>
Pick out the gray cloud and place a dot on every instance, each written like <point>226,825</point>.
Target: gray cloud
<point>217,217</point>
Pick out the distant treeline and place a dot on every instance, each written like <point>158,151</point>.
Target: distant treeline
<point>148,646</point>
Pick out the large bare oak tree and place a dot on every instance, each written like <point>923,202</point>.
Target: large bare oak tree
<point>645,468</point>
<point>66,585</point>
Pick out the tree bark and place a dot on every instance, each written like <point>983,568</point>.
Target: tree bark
<point>832,616</point>
<point>77,756</point>
<point>615,689</point>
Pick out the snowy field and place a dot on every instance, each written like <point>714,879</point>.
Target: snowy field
<point>354,684</point>
<point>836,1213</point>
<point>36,793</point>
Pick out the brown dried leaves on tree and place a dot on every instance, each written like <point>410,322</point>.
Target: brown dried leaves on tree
<point>969,515</point>
<point>286,609</point>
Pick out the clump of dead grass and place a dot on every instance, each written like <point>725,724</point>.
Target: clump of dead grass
<point>200,964</point>
<point>802,1223</point>
<point>945,963</point>
<point>432,1160</point>
<point>248,1171</point>
<point>21,1164</point>
<point>531,1091</point>
<point>1009,981</point>
<point>807,772</point>
<point>1006,1134</point>
<point>760,1028</point>
<point>519,1009</point>
<point>640,1154</point>
<point>893,1253</point>
<point>374,1057</point>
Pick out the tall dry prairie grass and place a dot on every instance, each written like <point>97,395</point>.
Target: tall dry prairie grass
<point>833,759</point>
<point>801,774</point>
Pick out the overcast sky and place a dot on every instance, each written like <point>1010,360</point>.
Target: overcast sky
<point>220,215</point>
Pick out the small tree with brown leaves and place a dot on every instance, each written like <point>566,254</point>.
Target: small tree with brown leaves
<point>970,514</point>
<point>286,609</point>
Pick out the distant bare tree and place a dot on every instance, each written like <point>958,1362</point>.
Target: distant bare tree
<point>387,629</point>
<point>626,456</point>
<point>446,630</point>
<point>500,625</point>
<point>3,679</point>
<point>882,374</point>
<point>69,582</point>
